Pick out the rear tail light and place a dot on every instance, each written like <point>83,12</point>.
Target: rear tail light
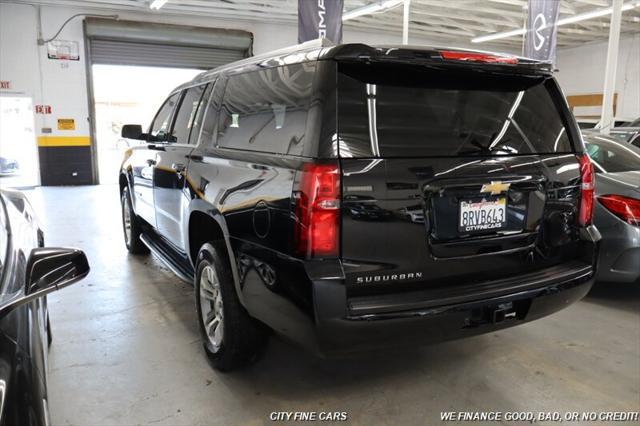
<point>477,57</point>
<point>587,190</point>
<point>626,208</point>
<point>317,208</point>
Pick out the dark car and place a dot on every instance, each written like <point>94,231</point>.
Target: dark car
<point>363,208</point>
<point>617,214</point>
<point>8,167</point>
<point>626,131</point>
<point>244,186</point>
<point>28,271</point>
<point>589,124</point>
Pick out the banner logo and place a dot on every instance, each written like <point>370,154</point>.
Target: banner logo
<point>538,25</point>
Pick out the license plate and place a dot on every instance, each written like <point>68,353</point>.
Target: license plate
<point>482,215</point>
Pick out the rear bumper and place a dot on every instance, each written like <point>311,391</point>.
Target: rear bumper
<point>619,254</point>
<point>622,268</point>
<point>339,333</point>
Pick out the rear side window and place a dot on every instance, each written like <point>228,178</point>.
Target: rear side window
<point>159,131</point>
<point>185,117</point>
<point>197,124</point>
<point>403,111</point>
<point>210,113</point>
<point>266,110</point>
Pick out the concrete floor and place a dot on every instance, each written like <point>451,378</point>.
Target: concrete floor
<point>126,350</point>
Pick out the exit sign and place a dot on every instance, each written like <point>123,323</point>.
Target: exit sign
<point>5,84</point>
<point>43,109</point>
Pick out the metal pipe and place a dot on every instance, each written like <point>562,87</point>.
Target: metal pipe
<point>42,42</point>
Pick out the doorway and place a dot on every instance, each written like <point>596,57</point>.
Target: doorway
<point>132,67</point>
<point>18,152</point>
<point>126,94</point>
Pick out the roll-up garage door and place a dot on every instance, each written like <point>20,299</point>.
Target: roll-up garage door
<point>117,42</point>
<point>127,53</point>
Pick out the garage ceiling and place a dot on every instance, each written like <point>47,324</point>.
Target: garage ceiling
<point>441,20</point>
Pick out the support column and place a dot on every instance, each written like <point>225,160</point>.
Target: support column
<point>606,121</point>
<point>405,22</point>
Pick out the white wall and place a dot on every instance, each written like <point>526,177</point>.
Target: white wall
<point>63,83</point>
<point>582,72</point>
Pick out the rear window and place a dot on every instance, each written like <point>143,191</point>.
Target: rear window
<point>612,156</point>
<point>266,110</point>
<point>406,111</point>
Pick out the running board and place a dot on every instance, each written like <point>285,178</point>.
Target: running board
<point>173,261</point>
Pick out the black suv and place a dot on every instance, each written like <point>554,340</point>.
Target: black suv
<point>355,196</point>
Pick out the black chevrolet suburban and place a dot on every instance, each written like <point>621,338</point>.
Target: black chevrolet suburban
<point>353,196</point>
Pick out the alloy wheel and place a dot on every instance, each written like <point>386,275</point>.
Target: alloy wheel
<point>126,219</point>
<point>211,307</point>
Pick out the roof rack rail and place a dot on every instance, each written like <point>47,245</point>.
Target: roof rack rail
<point>318,43</point>
<point>310,45</point>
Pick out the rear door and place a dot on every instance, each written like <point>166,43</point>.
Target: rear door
<point>171,164</point>
<point>453,177</point>
<point>144,159</point>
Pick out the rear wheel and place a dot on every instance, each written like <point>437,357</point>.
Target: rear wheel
<point>131,226</point>
<point>231,338</point>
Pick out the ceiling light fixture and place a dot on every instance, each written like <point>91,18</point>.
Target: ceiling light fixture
<point>157,4</point>
<point>379,6</point>
<point>564,21</point>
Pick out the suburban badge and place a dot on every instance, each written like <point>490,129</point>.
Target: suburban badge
<point>388,277</point>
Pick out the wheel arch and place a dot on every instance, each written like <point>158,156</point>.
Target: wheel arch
<point>126,181</point>
<point>203,226</point>
<point>123,181</point>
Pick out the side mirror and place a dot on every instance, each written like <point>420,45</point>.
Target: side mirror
<point>48,270</point>
<point>132,131</point>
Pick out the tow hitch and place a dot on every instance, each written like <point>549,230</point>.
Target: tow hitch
<point>503,313</point>
<point>496,314</point>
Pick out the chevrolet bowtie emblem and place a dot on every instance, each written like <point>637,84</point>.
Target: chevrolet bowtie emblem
<point>495,188</point>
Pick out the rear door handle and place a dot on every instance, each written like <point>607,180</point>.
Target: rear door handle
<point>178,167</point>
<point>151,162</point>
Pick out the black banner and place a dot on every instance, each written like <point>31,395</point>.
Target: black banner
<point>540,38</point>
<point>320,19</point>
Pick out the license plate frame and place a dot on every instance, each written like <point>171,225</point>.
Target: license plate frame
<point>488,214</point>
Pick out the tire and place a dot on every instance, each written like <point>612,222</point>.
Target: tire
<point>131,226</point>
<point>230,337</point>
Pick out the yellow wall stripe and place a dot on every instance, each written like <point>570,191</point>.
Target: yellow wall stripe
<point>64,141</point>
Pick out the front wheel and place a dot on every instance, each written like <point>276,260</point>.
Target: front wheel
<point>131,226</point>
<point>231,338</point>
<point>49,332</point>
